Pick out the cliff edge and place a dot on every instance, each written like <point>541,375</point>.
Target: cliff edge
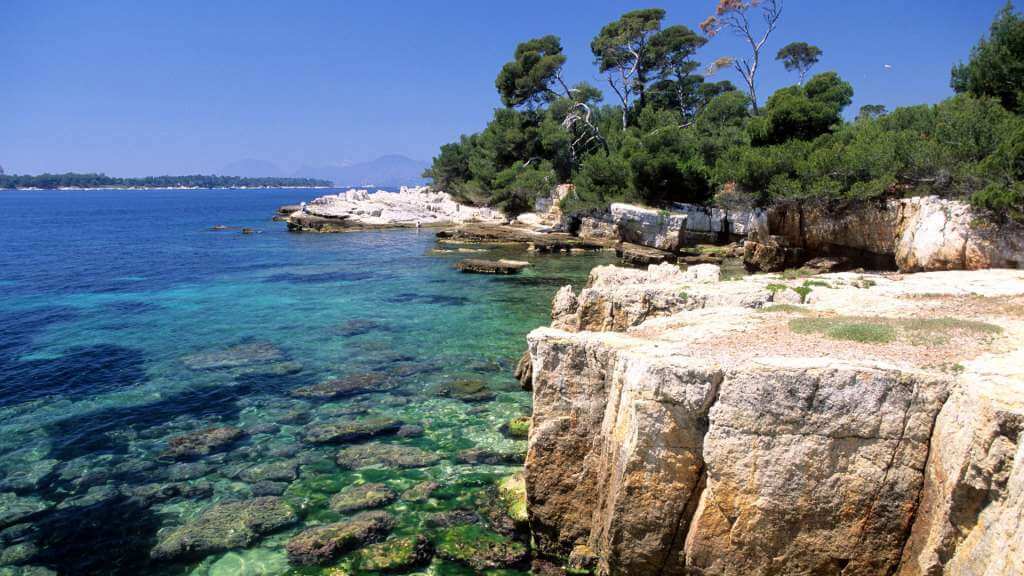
<point>846,424</point>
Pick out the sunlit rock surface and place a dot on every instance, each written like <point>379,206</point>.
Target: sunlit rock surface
<point>685,425</point>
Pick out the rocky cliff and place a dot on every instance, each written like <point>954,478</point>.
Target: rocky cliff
<point>846,425</point>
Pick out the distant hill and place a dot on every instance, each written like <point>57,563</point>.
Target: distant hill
<point>387,171</point>
<point>253,168</point>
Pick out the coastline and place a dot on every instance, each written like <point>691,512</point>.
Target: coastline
<point>73,188</point>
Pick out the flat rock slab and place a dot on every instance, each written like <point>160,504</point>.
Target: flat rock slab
<point>475,266</point>
<point>642,255</point>
<point>226,526</point>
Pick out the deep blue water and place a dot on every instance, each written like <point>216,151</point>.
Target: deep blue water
<point>125,322</point>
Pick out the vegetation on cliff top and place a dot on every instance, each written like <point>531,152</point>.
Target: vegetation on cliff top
<point>75,180</point>
<point>672,135</point>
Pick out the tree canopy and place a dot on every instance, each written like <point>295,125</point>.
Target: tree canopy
<point>799,57</point>
<point>673,135</point>
<point>996,67</point>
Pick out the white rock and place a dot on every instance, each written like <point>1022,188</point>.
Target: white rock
<point>649,227</point>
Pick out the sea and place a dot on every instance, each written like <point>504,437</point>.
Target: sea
<point>155,372</point>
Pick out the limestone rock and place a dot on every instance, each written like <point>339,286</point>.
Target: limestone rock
<point>670,437</point>
<point>596,230</point>
<point>477,266</point>
<point>938,234</point>
<point>971,514</point>
<point>409,207</point>
<point>658,229</point>
<point>642,256</point>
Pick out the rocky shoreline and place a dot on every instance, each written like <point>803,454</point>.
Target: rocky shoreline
<point>687,425</point>
<point>910,235</point>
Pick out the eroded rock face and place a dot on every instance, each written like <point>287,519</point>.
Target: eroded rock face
<point>359,210</point>
<point>668,439</point>
<point>971,518</point>
<point>912,234</point>
<point>649,227</point>
<point>937,234</point>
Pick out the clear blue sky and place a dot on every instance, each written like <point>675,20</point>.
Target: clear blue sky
<point>134,88</point>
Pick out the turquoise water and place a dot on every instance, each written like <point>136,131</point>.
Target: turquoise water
<point>125,322</point>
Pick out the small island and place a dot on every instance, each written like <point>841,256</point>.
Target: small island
<point>77,181</point>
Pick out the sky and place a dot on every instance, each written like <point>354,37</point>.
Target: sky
<point>188,86</point>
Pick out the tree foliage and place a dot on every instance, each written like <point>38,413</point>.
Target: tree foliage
<point>799,57</point>
<point>527,79</point>
<point>996,67</point>
<point>674,136</point>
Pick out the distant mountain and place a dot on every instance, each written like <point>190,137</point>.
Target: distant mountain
<point>252,168</point>
<point>387,171</point>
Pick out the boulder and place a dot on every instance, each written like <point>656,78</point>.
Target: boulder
<point>658,229</point>
<point>225,526</point>
<point>322,544</point>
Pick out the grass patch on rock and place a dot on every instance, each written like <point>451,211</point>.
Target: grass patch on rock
<point>784,309</point>
<point>876,330</point>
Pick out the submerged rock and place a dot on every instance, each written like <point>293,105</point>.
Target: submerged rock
<point>389,455</point>
<point>280,471</point>
<point>225,526</point>
<point>149,494</point>
<point>487,456</point>
<point>321,544</point>
<point>395,555</point>
<point>15,509</point>
<point>451,518</point>
<point>346,386</point>
<point>202,442</point>
<point>234,357</point>
<point>466,390</point>
<point>421,491</point>
<point>268,488</point>
<point>350,431</point>
<point>361,497</point>
<point>360,326</point>
<point>517,428</point>
<point>480,549</point>
<point>477,266</point>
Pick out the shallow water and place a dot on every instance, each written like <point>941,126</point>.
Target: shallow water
<point>125,322</point>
